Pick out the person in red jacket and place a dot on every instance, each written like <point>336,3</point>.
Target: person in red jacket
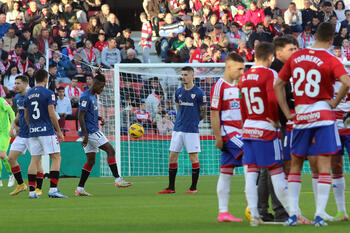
<point>255,14</point>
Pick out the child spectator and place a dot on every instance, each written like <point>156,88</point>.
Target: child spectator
<point>101,43</point>
<point>77,33</point>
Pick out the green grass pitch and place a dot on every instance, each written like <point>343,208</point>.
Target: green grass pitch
<point>140,209</point>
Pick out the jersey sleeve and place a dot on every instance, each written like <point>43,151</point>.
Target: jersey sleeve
<point>84,103</point>
<point>286,71</point>
<point>202,99</point>
<point>51,98</point>
<point>177,96</point>
<point>25,101</point>
<point>242,103</point>
<point>215,100</point>
<point>7,108</point>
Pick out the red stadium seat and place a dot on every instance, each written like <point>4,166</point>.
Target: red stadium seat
<point>92,13</point>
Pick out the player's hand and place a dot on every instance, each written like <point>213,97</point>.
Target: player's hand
<point>60,136</point>
<point>332,103</point>
<point>12,132</point>
<point>219,143</point>
<point>275,124</point>
<point>102,121</point>
<point>85,141</point>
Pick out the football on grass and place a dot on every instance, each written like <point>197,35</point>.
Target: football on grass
<point>136,131</point>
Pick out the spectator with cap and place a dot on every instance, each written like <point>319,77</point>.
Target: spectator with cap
<point>4,26</point>
<point>110,54</point>
<point>240,17</point>
<point>255,14</point>
<point>44,41</point>
<point>32,15</point>
<point>218,38</point>
<point>10,40</point>
<point>293,18</point>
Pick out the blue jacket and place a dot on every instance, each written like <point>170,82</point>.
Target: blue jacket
<point>3,29</point>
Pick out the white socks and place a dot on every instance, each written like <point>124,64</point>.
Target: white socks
<point>323,187</point>
<point>281,189</point>
<point>294,187</point>
<point>338,185</point>
<point>223,191</point>
<point>251,192</point>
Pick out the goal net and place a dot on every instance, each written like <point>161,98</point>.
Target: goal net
<point>144,94</point>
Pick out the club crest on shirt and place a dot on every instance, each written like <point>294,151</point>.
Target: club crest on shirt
<point>193,96</point>
<point>83,103</point>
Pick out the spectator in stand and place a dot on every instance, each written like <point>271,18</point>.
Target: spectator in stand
<point>19,25</point>
<point>314,25</point>
<point>259,35</point>
<point>3,90</point>
<point>195,26</point>
<point>127,118</point>
<point>30,74</point>
<point>78,34</point>
<point>218,38</point>
<point>124,38</point>
<point>128,95</point>
<point>346,22</point>
<point>248,30</point>
<point>337,25</point>
<point>345,49</point>
<point>339,9</point>
<point>15,54</point>
<point>152,101</point>
<point>44,41</point>
<point>307,13</point>
<point>32,15</point>
<point>234,36</point>
<point>245,52</point>
<point>11,16</point>
<point>279,25</point>
<point>269,29</point>
<point>40,26</point>
<point>69,15</point>
<point>184,53</point>
<point>223,10</point>
<point>52,84</point>
<point>23,63</point>
<point>168,32</point>
<point>41,65</point>
<point>101,43</point>
<point>110,54</point>
<point>54,14</point>
<point>343,34</point>
<point>104,14</point>
<point>9,40</point>
<point>197,55</point>
<point>33,54</point>
<point>327,12</point>
<point>110,27</point>
<point>62,23</point>
<point>26,39</point>
<point>217,55</point>
<point>80,70</point>
<point>89,82</point>
<point>155,10</point>
<point>197,41</point>
<point>150,86</point>
<point>165,125</point>
<point>62,39</point>
<point>73,92</point>
<point>209,26</point>
<point>5,63</point>
<point>240,17</point>
<point>10,76</point>
<point>64,68</point>
<point>3,25</point>
<point>63,107</point>
<point>90,55</point>
<point>179,9</point>
<point>213,4</point>
<point>293,18</point>
<point>207,13</point>
<point>255,14</point>
<point>338,53</point>
<point>178,44</point>
<point>225,23</point>
<point>131,57</point>
<point>143,116</point>
<point>93,29</point>
<point>146,38</point>
<point>69,52</point>
<point>317,4</point>
<point>273,10</point>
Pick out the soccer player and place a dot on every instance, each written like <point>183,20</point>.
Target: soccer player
<point>39,112</point>
<point>226,123</point>
<point>93,138</point>
<point>313,71</point>
<point>6,116</point>
<point>20,144</point>
<point>191,108</point>
<point>259,111</point>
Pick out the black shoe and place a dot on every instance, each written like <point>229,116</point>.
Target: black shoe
<point>267,217</point>
<point>281,218</point>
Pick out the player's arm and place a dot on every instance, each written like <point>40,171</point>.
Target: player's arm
<point>10,112</point>
<point>26,116</point>
<point>203,112</point>
<point>14,126</point>
<point>54,121</point>
<point>345,79</point>
<point>177,106</point>
<point>81,118</point>
<point>216,126</point>
<point>280,91</point>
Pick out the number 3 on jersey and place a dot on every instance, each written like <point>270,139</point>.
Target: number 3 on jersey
<point>251,99</point>
<point>313,78</point>
<point>36,110</point>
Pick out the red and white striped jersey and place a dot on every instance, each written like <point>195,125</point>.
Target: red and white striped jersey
<point>142,115</point>
<point>146,34</point>
<point>196,56</point>
<point>258,103</point>
<point>314,72</point>
<point>225,98</point>
<point>341,109</point>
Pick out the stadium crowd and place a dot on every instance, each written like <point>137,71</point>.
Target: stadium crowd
<point>80,35</point>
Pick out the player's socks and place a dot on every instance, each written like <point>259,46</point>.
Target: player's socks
<point>54,176</point>
<point>338,184</point>
<point>223,191</point>
<point>39,180</point>
<point>113,166</point>
<point>294,187</point>
<point>172,175</point>
<point>85,172</point>
<point>31,182</point>
<point>251,190</point>
<point>323,187</point>
<point>314,185</point>
<point>16,171</point>
<point>280,185</point>
<point>7,166</point>
<point>195,175</point>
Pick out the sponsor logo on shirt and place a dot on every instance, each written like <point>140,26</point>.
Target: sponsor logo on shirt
<point>38,129</point>
<point>234,104</point>
<point>186,104</point>
<point>253,132</point>
<point>313,116</point>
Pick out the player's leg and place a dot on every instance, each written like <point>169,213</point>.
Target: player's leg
<point>119,181</point>
<point>264,193</point>
<point>55,175</point>
<point>85,172</point>
<point>192,143</point>
<point>1,155</point>
<point>313,165</point>
<point>32,170</point>
<point>173,158</point>
<point>195,172</point>
<point>39,178</point>
<point>4,145</point>
<point>338,185</point>
<point>16,170</point>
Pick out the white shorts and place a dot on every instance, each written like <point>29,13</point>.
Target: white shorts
<point>189,140</point>
<point>20,145</point>
<point>44,145</point>
<point>95,141</point>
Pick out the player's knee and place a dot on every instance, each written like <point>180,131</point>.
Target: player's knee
<point>91,161</point>
<point>110,152</point>
<point>56,158</point>
<point>2,155</point>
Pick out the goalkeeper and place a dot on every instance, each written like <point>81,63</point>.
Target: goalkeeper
<point>6,115</point>
<point>191,108</point>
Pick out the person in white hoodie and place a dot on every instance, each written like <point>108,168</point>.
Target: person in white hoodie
<point>110,54</point>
